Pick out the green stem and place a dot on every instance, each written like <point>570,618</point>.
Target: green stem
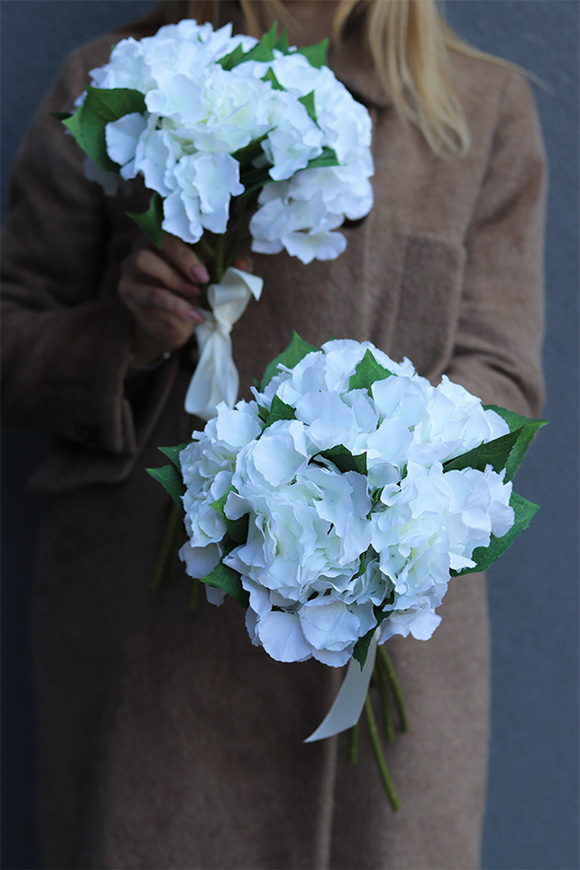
<point>385,703</point>
<point>379,757</point>
<point>193,594</point>
<point>208,253</point>
<point>353,744</point>
<point>236,229</point>
<point>229,245</point>
<point>171,530</point>
<point>395,687</point>
<point>218,263</point>
<point>205,254</point>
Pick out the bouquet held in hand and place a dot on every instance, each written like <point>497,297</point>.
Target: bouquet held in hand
<point>338,504</point>
<point>242,143</point>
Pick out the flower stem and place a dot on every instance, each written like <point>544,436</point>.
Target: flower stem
<point>236,239</point>
<point>353,744</point>
<point>169,539</point>
<point>218,263</point>
<point>379,756</point>
<point>395,687</point>
<point>385,703</point>
<point>193,594</point>
<point>206,249</point>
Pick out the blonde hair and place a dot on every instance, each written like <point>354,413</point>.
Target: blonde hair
<point>409,43</point>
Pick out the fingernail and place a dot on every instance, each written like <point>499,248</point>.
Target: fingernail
<point>200,273</point>
<point>195,315</point>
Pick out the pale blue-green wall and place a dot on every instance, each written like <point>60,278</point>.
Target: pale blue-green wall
<point>532,819</point>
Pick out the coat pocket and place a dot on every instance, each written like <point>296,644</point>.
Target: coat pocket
<point>429,304</point>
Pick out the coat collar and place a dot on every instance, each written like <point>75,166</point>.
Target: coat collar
<point>351,62</point>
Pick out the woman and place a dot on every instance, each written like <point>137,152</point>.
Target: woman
<point>166,739</point>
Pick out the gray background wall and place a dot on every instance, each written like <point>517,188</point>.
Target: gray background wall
<point>532,818</point>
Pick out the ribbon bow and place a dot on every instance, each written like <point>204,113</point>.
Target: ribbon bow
<point>216,377</point>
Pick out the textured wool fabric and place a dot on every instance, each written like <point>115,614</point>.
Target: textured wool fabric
<point>166,740</point>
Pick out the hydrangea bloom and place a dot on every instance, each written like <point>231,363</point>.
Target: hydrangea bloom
<point>204,116</point>
<point>339,499</point>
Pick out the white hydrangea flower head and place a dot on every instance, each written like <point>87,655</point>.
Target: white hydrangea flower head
<point>333,550</point>
<point>195,108</point>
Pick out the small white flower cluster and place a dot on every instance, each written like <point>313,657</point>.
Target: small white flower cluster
<point>200,114</point>
<point>330,554</point>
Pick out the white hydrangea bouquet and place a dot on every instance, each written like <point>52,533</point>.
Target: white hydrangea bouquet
<point>233,136</point>
<point>338,503</point>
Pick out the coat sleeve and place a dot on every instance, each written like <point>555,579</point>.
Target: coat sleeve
<point>65,334</point>
<point>498,347</point>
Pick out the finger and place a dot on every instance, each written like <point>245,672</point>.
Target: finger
<point>243,263</point>
<point>163,328</point>
<point>148,265</point>
<point>148,296</point>
<point>181,256</point>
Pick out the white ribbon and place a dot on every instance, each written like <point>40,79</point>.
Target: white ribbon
<point>348,704</point>
<point>216,377</point>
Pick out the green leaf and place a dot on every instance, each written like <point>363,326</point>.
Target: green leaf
<point>316,54</point>
<point>527,428</point>
<point>327,158</point>
<point>308,102</point>
<point>361,647</point>
<point>296,350</point>
<point>279,410</point>
<point>263,51</point>
<point>363,563</point>
<point>170,480</point>
<point>254,178</point>
<point>250,152</point>
<point>367,372</point>
<point>218,504</point>
<point>229,580</point>
<point>99,107</point>
<point>345,460</point>
<point>484,557</point>
<point>514,421</point>
<point>494,453</point>
<point>237,529</point>
<point>282,43</point>
<point>270,77</point>
<point>150,221</point>
<point>172,454</point>
<point>229,61</point>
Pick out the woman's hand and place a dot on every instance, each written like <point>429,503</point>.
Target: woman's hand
<point>161,288</point>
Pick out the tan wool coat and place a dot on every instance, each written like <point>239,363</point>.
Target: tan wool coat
<point>166,740</point>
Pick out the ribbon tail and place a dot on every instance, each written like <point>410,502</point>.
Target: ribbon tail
<point>236,277</point>
<point>216,377</point>
<point>349,702</point>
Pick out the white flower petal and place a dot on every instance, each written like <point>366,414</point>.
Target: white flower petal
<point>123,135</point>
<point>282,637</point>
<point>199,561</point>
